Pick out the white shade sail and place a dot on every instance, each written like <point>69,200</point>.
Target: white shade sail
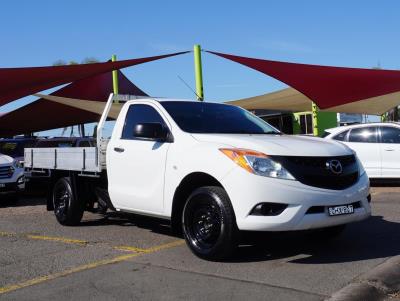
<point>291,100</point>
<point>96,107</point>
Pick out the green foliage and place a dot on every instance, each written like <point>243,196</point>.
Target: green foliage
<point>90,60</point>
<point>59,63</point>
<point>87,60</point>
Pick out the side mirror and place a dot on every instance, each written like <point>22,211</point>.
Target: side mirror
<point>152,131</point>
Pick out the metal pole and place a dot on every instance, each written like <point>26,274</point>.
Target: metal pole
<point>315,118</point>
<point>115,77</point>
<point>82,130</point>
<point>198,72</point>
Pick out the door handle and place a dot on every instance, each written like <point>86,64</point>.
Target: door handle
<point>389,149</point>
<point>119,149</point>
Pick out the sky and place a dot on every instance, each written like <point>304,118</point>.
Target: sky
<point>340,33</point>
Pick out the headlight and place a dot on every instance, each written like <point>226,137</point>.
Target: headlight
<point>18,164</point>
<point>361,169</point>
<point>257,163</point>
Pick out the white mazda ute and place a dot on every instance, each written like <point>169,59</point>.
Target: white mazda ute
<point>212,170</point>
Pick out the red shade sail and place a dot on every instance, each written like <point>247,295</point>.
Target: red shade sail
<point>326,86</point>
<point>19,82</point>
<point>45,115</point>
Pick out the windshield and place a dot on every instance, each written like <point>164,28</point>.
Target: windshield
<point>212,118</point>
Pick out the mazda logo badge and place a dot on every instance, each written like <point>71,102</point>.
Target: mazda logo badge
<point>335,166</point>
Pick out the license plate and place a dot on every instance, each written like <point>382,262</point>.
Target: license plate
<point>2,185</point>
<point>340,210</point>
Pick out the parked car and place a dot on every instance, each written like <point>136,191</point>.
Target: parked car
<point>12,180</point>
<point>42,176</point>
<point>377,145</point>
<point>212,170</point>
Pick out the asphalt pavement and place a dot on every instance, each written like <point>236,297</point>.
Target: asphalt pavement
<point>126,257</point>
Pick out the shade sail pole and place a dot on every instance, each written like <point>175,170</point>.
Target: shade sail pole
<point>198,72</point>
<point>315,109</point>
<point>115,77</point>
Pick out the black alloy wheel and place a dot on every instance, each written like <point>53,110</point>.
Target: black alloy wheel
<point>67,209</point>
<point>209,223</point>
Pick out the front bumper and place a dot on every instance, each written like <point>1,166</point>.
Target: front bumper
<point>14,184</point>
<point>246,190</point>
<point>11,188</point>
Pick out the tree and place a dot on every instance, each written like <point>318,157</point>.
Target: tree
<point>90,60</point>
<point>87,60</point>
<point>60,63</point>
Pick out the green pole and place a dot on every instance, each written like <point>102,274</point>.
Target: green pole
<point>198,72</point>
<point>315,118</point>
<point>115,76</point>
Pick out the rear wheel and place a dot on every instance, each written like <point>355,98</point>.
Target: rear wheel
<point>67,208</point>
<point>209,223</point>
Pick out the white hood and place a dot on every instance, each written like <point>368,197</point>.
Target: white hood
<point>4,159</point>
<point>279,145</point>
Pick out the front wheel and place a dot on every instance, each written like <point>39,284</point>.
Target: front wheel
<point>209,223</point>
<point>67,208</point>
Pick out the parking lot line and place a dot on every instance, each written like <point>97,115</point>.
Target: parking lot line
<point>7,234</point>
<point>150,250</point>
<point>58,239</point>
<point>44,237</point>
<point>41,279</point>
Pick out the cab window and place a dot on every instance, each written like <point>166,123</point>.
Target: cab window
<point>139,113</point>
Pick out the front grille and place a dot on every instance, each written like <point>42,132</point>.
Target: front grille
<point>6,172</point>
<point>313,171</point>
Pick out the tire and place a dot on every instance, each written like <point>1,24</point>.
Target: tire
<point>67,208</point>
<point>328,233</point>
<point>209,224</point>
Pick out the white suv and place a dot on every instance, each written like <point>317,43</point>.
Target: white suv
<point>11,177</point>
<point>376,144</point>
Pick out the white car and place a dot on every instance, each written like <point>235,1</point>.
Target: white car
<point>377,145</point>
<point>212,170</point>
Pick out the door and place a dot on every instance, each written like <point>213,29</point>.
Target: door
<point>364,141</point>
<point>390,149</point>
<point>136,165</point>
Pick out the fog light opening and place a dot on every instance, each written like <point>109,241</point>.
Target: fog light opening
<point>268,209</point>
<point>21,180</point>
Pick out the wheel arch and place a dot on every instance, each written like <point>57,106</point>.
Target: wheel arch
<point>188,184</point>
<point>55,176</point>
